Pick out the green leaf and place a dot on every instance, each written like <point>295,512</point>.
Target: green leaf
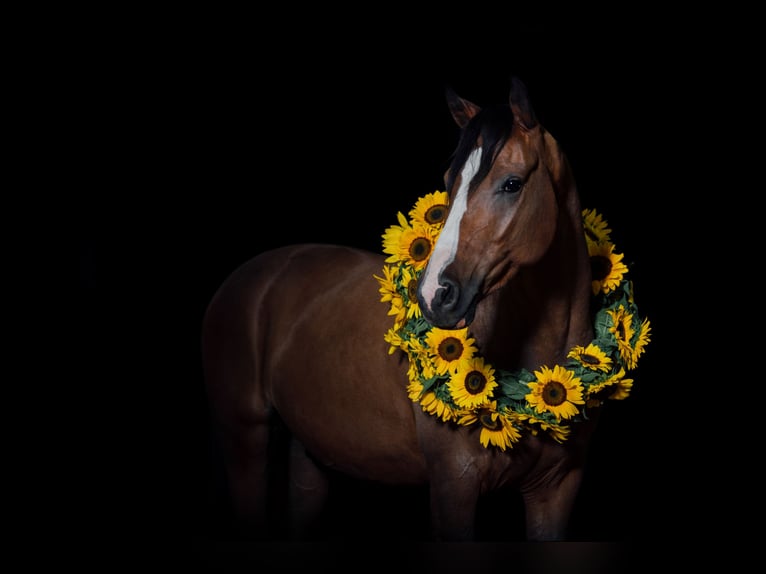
<point>601,325</point>
<point>589,376</point>
<point>428,383</point>
<point>516,390</point>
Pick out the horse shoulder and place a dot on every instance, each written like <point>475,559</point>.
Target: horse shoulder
<point>314,328</point>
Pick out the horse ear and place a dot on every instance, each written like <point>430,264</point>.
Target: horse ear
<point>462,110</point>
<point>523,113</point>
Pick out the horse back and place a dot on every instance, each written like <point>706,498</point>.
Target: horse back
<point>299,331</point>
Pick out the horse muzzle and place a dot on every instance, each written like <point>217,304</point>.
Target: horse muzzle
<point>452,306</point>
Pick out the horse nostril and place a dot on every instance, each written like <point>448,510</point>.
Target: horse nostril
<point>447,295</point>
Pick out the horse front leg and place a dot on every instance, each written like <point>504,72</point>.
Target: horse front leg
<point>549,504</point>
<point>454,497</point>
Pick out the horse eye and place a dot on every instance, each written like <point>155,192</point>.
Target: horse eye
<point>512,185</point>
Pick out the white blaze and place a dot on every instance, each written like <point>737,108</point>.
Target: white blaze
<point>446,245</point>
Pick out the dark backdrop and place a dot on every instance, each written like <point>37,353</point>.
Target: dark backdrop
<point>218,144</point>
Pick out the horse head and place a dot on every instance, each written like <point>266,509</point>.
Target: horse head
<point>506,183</point>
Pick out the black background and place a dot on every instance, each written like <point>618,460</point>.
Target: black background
<point>216,141</point>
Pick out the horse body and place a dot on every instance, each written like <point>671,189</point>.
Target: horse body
<point>292,373</point>
<point>298,331</point>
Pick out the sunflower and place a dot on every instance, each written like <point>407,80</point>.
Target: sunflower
<point>558,433</point>
<point>622,390</point>
<point>387,288</point>
<point>640,344</point>
<point>414,387</point>
<point>622,331</point>
<point>448,347</point>
<point>418,351</point>
<point>534,424</point>
<point>409,279</point>
<point>395,340</point>
<point>389,293</point>
<point>431,209</point>
<point>473,382</point>
<point>615,387</point>
<point>596,230</point>
<point>556,391</point>
<point>411,244</point>
<point>496,428</point>
<point>398,310</point>
<point>433,405</point>
<point>607,268</point>
<point>427,365</point>
<point>591,357</point>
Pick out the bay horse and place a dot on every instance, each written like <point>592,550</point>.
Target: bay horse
<point>300,333</point>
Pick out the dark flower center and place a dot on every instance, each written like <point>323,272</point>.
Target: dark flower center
<point>485,418</point>
<point>589,359</point>
<point>435,214</point>
<point>554,393</point>
<point>475,381</point>
<point>412,290</point>
<point>450,349</point>
<point>591,234</point>
<point>600,267</point>
<point>620,331</point>
<point>420,249</point>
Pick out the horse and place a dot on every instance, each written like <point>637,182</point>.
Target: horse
<point>299,334</point>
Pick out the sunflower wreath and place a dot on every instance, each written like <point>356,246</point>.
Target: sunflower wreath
<point>450,379</point>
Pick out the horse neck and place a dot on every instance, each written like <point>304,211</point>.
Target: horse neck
<point>545,309</point>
